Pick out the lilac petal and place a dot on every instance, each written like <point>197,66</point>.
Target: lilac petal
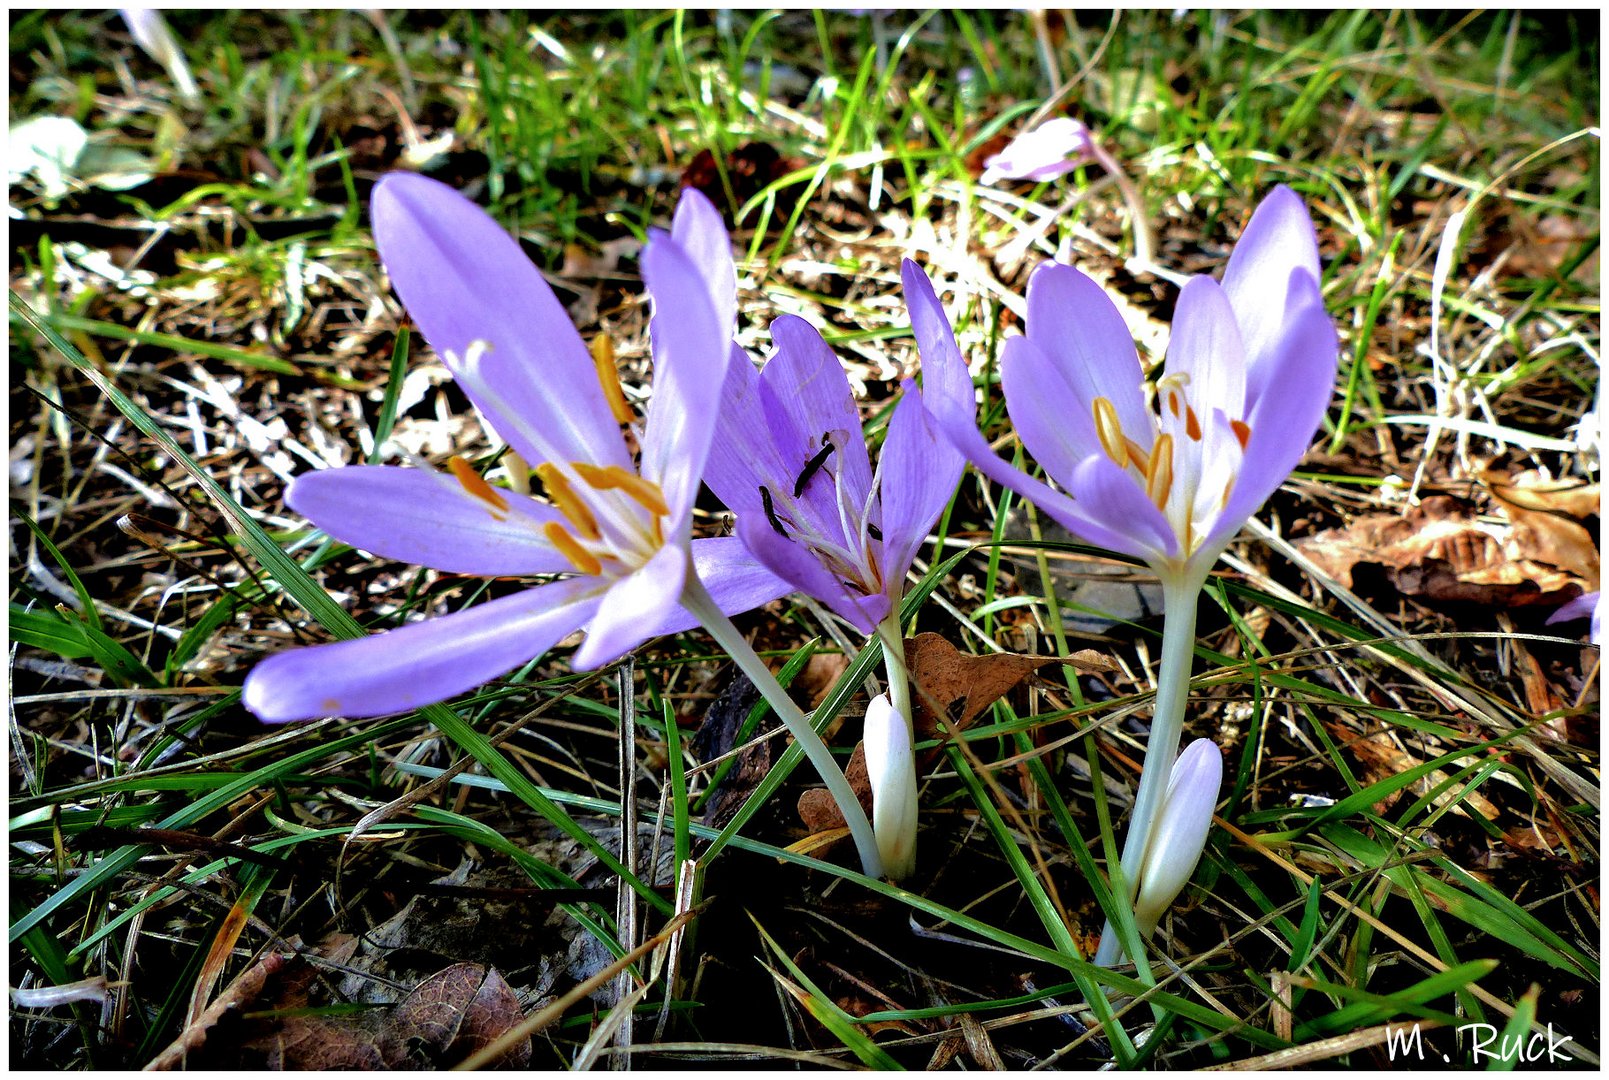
<point>698,228</point>
<point>735,579</point>
<point>1053,148</point>
<point>796,564</point>
<point>805,382</point>
<point>745,454</point>
<point>426,518</point>
<point>1277,242</point>
<point>421,663</point>
<point>463,279</point>
<point>1115,513</point>
<point>692,353</point>
<point>1582,607</point>
<point>1074,322</point>
<point>1205,345</point>
<point>948,395</point>
<point>1587,605</point>
<point>634,609</point>
<point>1283,419</point>
<point>920,470</point>
<point>1054,423</point>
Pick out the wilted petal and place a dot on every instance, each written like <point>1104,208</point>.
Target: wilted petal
<point>634,609</point>
<point>698,228</point>
<point>920,470</point>
<point>1262,271</point>
<point>1205,345</point>
<point>463,279</point>
<point>1180,832</point>
<point>1055,147</point>
<point>798,565</point>
<point>691,356</point>
<point>421,663</point>
<point>805,381</point>
<point>1284,418</point>
<point>1075,324</point>
<point>428,519</point>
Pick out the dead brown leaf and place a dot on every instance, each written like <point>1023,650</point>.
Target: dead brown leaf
<point>944,682</point>
<point>1441,551</point>
<point>449,1016</point>
<point>959,686</point>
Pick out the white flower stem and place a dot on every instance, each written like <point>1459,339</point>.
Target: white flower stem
<point>698,601</point>
<point>1162,746</point>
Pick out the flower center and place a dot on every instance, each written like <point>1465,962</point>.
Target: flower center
<point>1191,467</point>
<point>614,515</point>
<point>851,557</point>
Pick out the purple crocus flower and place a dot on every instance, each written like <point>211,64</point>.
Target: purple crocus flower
<point>792,464</point>
<point>1166,472</point>
<point>619,533</point>
<point>1050,150</point>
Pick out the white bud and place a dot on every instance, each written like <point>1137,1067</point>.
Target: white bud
<point>891,767</point>
<point>1180,832</point>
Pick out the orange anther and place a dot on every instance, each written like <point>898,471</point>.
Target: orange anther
<point>1192,425</point>
<point>564,497</point>
<point>474,483</point>
<point>1159,471</point>
<point>1242,432</point>
<point>1110,431</point>
<point>583,560</point>
<point>603,358</point>
<point>614,478</point>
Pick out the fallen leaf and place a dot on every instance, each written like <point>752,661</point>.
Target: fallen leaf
<point>959,686</point>
<point>819,810</point>
<point>944,682</point>
<point>449,1016</point>
<point>1441,551</point>
<point>241,992</point>
<point>1382,759</point>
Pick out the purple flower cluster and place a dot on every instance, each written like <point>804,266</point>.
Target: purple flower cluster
<point>1166,471</point>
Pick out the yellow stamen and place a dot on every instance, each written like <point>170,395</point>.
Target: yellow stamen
<point>603,358</point>
<point>1242,432</point>
<point>613,477</point>
<point>1192,425</point>
<point>564,497</point>
<point>474,483</point>
<point>583,560</point>
<point>1110,431</point>
<point>1137,455</point>
<point>1159,471</point>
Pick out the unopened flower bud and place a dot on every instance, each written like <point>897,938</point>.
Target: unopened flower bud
<point>1180,833</point>
<point>891,767</point>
